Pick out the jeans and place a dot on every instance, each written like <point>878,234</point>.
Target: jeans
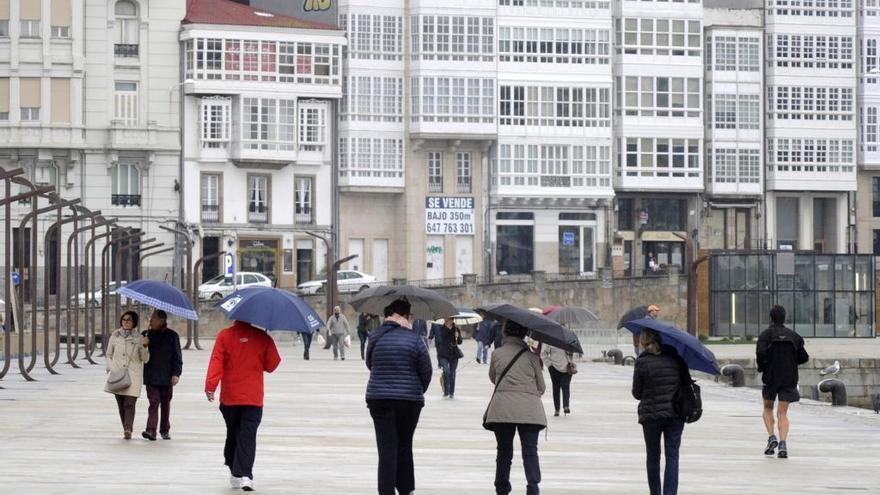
<point>338,343</point>
<point>160,398</point>
<point>449,367</point>
<point>671,431</point>
<point>528,439</point>
<point>126,406</point>
<point>307,344</point>
<point>482,351</point>
<point>241,438</point>
<point>561,383</point>
<point>395,422</point>
<point>363,336</point>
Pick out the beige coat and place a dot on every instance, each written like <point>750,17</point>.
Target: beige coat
<point>119,349</point>
<point>555,358</point>
<point>518,399</point>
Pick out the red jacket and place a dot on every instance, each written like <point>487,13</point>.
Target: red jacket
<point>241,354</point>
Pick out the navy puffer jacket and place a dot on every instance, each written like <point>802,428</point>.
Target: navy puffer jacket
<point>399,363</point>
<point>656,380</point>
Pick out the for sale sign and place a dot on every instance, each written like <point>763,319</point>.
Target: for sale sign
<point>446,215</point>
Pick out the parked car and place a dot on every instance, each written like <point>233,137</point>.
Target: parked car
<point>219,287</point>
<point>346,280</point>
<point>94,300</point>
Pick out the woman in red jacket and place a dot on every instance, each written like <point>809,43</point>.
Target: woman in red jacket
<point>242,353</point>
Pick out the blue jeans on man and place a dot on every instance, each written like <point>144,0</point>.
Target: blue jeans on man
<point>482,350</point>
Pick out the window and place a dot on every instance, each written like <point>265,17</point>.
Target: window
<point>810,155</point>
<point>125,187</point>
<point>268,124</point>
<point>30,29</point>
<point>661,157</point>
<point>734,52</point>
<point>514,247</point>
<point>464,172</point>
<point>126,29</point>
<point>435,171</point>
<point>555,106</point>
<point>211,197</point>
<point>811,8</point>
<point>456,38</point>
<point>371,158</point>
<point>573,5</point>
<point>661,96</point>
<point>677,37</point>
<point>725,111</point>
<point>312,122</point>
<point>61,32</point>
<point>875,196</point>
<point>216,120</point>
<point>374,99</point>
<point>554,166</point>
<point>374,37</point>
<point>304,200</point>
<point>869,133</point>
<point>730,165</point>
<point>258,198</point>
<point>810,103</point>
<point>445,99</point>
<point>60,12</point>
<point>811,51</point>
<point>4,28</point>
<point>30,100</point>
<point>4,99</point>
<point>125,103</point>
<point>561,45</point>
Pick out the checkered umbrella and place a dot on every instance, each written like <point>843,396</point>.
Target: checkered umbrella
<point>160,295</point>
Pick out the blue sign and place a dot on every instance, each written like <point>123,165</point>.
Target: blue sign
<point>229,265</point>
<point>568,238</point>
<point>16,279</point>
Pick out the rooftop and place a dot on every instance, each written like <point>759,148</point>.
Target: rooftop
<point>230,13</point>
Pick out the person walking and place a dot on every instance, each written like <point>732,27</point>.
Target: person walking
<point>241,354</point>
<point>161,374</point>
<point>448,338</point>
<point>400,373</point>
<point>338,329</point>
<point>483,338</point>
<point>657,378</point>
<point>366,324</point>
<point>779,352</point>
<point>307,344</point>
<point>560,364</point>
<point>515,407</point>
<point>126,348</point>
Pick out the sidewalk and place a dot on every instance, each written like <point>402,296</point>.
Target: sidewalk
<point>61,435</point>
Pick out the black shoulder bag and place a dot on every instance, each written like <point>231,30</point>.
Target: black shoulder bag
<point>498,382</point>
<point>689,402</point>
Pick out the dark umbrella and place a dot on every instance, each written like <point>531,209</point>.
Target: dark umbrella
<point>695,354</point>
<point>540,327</point>
<point>160,295</point>
<point>573,316</point>
<point>426,304</point>
<point>270,308</point>
<point>636,313</point>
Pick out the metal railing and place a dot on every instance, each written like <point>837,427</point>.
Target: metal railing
<point>125,50</point>
<point>261,216</point>
<point>210,213</point>
<point>125,199</point>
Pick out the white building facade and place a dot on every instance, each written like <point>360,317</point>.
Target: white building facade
<point>868,196</point>
<point>261,92</point>
<point>91,115</point>
<point>811,133</point>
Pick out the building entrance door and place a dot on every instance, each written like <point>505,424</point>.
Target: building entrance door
<point>434,257</point>
<point>576,248</point>
<point>259,255</point>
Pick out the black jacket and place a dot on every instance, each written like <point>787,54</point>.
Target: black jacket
<point>779,352</point>
<point>656,380</point>
<point>447,341</point>
<point>166,359</point>
<point>399,364</point>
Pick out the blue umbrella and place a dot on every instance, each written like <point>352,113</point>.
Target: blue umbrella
<point>270,308</point>
<point>697,356</point>
<point>160,295</point>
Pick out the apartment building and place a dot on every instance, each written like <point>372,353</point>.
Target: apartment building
<point>261,91</point>
<point>92,114</point>
<point>811,135</point>
<point>868,196</point>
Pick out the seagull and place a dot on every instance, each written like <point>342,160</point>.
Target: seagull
<point>875,401</point>
<point>831,370</point>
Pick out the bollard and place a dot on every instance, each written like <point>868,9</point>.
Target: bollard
<point>629,360</point>
<point>736,374</point>
<point>837,389</point>
<point>616,355</point>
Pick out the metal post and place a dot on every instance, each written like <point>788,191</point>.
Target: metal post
<point>187,280</point>
<point>90,313</point>
<point>105,292</point>
<point>7,176</point>
<point>195,276</point>
<point>75,219</point>
<point>124,269</point>
<point>145,252</point>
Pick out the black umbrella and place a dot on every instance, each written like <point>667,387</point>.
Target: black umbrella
<point>573,316</point>
<point>636,313</point>
<point>426,304</point>
<point>540,327</point>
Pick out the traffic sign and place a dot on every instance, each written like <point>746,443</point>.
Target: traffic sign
<point>16,279</point>
<point>229,265</point>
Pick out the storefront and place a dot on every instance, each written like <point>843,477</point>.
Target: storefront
<point>259,255</point>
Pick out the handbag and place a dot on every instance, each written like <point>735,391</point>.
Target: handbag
<point>120,379</point>
<point>458,352</point>
<point>487,425</point>
<point>688,399</point>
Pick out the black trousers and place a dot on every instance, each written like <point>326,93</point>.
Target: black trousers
<point>363,336</point>
<point>241,438</point>
<point>160,398</point>
<point>395,422</point>
<point>528,439</point>
<point>307,344</point>
<point>671,431</point>
<point>561,383</point>
<point>126,406</point>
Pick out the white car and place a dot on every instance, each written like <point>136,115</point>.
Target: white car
<point>219,287</point>
<point>94,300</point>
<point>346,280</point>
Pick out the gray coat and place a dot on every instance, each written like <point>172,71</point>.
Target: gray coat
<point>338,325</point>
<point>518,399</point>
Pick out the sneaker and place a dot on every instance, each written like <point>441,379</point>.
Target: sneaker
<point>149,435</point>
<point>247,484</point>
<point>235,482</point>
<point>771,445</point>
<point>783,451</point>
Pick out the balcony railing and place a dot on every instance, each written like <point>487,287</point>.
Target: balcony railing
<point>435,185</point>
<point>125,199</point>
<point>463,186</point>
<point>210,213</point>
<point>258,214</point>
<point>303,216</point>
<point>125,50</point>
